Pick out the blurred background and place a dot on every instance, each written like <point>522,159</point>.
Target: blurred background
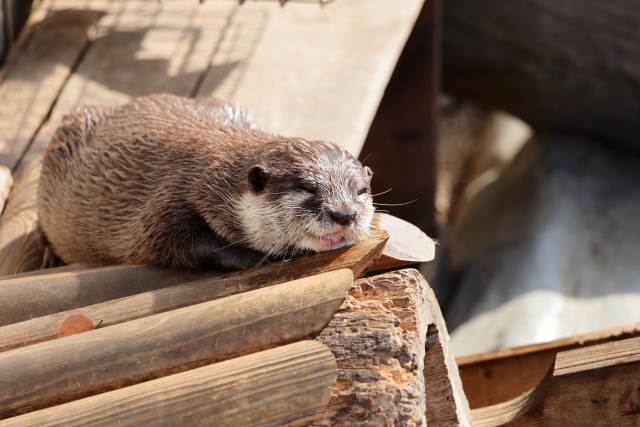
<point>508,131</point>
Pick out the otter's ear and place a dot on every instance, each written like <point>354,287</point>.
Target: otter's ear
<point>257,178</point>
<point>368,171</point>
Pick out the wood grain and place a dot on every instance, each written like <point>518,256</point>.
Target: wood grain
<point>498,376</point>
<point>394,364</point>
<point>27,298</point>
<point>330,92</point>
<point>21,248</point>
<point>407,243</point>
<point>289,385</point>
<point>38,67</point>
<point>592,386</point>
<point>6,182</point>
<point>100,360</point>
<point>140,48</point>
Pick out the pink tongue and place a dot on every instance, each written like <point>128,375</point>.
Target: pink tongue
<point>332,239</point>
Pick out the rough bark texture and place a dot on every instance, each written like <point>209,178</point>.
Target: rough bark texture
<point>379,337</point>
<point>567,65</point>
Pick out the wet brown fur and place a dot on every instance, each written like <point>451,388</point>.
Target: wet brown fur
<point>164,180</point>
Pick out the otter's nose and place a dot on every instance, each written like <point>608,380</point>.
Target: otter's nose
<point>342,218</point>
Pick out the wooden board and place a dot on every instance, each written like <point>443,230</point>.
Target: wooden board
<point>100,360</point>
<point>498,376</point>
<point>328,81</point>
<point>38,66</point>
<point>394,364</point>
<point>288,385</point>
<point>400,146</point>
<point>592,386</point>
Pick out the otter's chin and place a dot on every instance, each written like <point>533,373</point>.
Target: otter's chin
<point>325,243</point>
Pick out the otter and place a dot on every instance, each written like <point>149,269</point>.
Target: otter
<point>193,183</point>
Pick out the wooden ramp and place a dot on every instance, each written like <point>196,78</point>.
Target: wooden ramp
<point>302,69</point>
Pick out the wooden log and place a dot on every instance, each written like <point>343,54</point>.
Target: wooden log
<point>6,182</point>
<point>407,243</point>
<point>125,309</point>
<point>507,55</point>
<point>28,298</point>
<point>392,351</point>
<point>289,385</point>
<point>37,68</point>
<point>21,246</point>
<point>498,376</point>
<point>593,386</point>
<point>100,360</point>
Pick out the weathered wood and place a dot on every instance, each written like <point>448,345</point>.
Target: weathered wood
<point>140,48</point>
<point>407,243</point>
<point>100,360</point>
<point>330,92</point>
<point>498,376</point>
<point>21,248</point>
<point>6,182</point>
<point>37,68</point>
<point>507,55</point>
<point>593,386</point>
<point>401,143</point>
<point>289,385</point>
<point>27,298</point>
<point>394,364</point>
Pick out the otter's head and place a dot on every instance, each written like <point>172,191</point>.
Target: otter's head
<point>304,196</point>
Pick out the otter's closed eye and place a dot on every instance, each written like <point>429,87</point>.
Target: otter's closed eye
<point>363,191</point>
<point>307,188</point>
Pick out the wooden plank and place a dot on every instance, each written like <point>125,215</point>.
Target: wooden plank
<point>6,182</point>
<point>592,386</point>
<point>498,376</point>
<point>140,48</point>
<point>407,243</point>
<point>394,363</point>
<point>401,144</point>
<point>329,92</point>
<point>81,365</point>
<point>28,298</point>
<point>288,385</point>
<point>38,66</point>
<point>21,246</point>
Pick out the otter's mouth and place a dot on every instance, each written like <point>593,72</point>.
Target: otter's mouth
<point>330,241</point>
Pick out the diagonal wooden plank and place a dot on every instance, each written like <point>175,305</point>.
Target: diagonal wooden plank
<point>311,72</point>
<point>37,68</point>
<point>140,48</point>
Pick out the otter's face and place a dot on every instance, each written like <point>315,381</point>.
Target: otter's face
<point>307,202</point>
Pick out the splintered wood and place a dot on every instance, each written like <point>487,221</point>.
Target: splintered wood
<point>385,377</point>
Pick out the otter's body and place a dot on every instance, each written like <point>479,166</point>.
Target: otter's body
<point>191,183</point>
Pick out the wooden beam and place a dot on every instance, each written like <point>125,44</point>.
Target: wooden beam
<point>592,386</point>
<point>330,92</point>
<point>21,246</point>
<point>501,375</point>
<point>407,243</point>
<point>288,385</point>
<point>27,298</point>
<point>38,66</point>
<point>101,360</point>
<point>401,144</point>
<point>392,350</point>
